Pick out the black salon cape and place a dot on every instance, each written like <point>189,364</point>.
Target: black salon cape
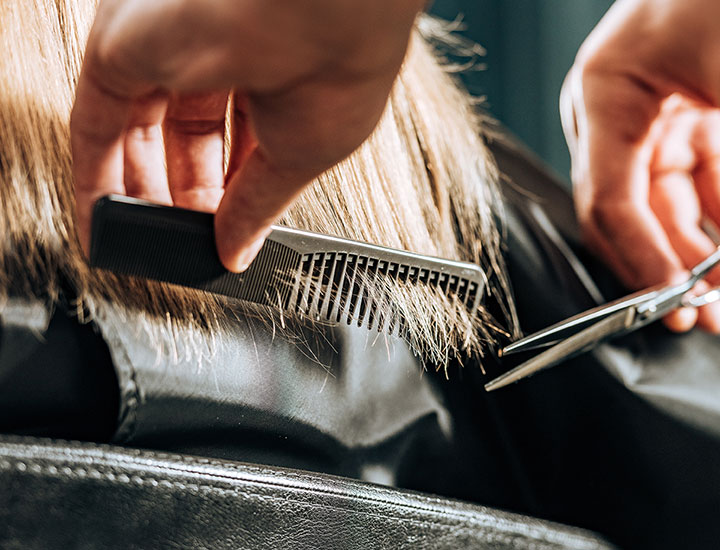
<point>624,440</point>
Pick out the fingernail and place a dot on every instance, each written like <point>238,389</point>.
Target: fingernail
<point>248,254</point>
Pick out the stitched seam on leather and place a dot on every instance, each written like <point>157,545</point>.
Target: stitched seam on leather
<point>65,472</point>
<point>458,515</point>
<point>498,532</point>
<point>246,468</point>
<point>241,471</point>
<point>509,524</point>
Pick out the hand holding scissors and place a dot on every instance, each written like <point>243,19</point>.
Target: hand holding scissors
<point>586,330</point>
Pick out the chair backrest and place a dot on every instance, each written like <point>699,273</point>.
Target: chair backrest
<point>57,494</point>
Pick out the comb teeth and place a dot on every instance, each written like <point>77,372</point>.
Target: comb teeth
<point>320,277</point>
<point>339,287</point>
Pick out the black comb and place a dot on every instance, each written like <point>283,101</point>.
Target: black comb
<point>317,276</point>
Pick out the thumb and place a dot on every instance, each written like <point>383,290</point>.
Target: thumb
<point>255,197</point>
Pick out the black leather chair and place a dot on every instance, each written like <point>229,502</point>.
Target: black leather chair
<point>78,495</point>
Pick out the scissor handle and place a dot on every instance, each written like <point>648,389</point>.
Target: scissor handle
<point>704,267</point>
<point>673,296</point>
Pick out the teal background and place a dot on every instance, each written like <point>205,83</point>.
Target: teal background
<point>530,46</point>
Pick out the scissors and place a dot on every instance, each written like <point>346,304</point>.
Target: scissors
<point>586,330</point>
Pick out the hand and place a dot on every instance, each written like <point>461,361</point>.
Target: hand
<point>307,81</point>
<point>640,111</point>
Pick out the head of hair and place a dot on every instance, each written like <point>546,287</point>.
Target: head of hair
<point>423,181</point>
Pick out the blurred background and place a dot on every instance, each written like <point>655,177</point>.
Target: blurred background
<point>530,46</point>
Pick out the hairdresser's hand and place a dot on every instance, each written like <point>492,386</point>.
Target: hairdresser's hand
<point>640,110</point>
<point>308,82</point>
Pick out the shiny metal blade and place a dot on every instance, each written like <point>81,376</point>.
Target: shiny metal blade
<point>616,323</point>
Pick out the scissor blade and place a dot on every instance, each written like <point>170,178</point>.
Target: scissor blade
<point>613,324</point>
<point>653,303</point>
<point>577,323</point>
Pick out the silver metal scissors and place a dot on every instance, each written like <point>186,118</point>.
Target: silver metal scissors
<point>585,330</point>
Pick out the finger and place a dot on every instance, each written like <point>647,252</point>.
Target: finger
<point>300,133</point>
<point>677,206</point>
<point>693,246</point>
<point>709,315</point>
<point>145,176</point>
<point>706,174</point>
<point>194,141</point>
<point>682,319</point>
<point>649,264</point>
<point>612,192</point>
<point>242,141</point>
<point>255,196</point>
<point>97,131</point>
<point>635,243</point>
<point>707,182</point>
<point>680,225</point>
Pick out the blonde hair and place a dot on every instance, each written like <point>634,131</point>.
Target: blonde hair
<point>423,182</point>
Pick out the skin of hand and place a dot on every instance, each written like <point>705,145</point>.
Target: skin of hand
<point>306,82</point>
<point>640,112</point>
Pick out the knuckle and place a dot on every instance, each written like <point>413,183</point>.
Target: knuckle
<point>144,133</point>
<point>195,127</point>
